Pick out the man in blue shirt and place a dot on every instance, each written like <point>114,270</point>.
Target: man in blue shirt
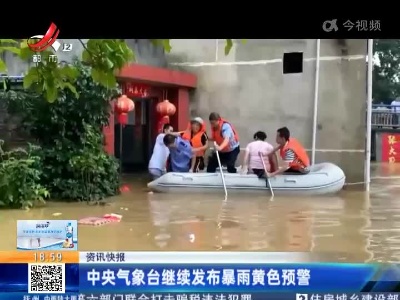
<point>226,142</point>
<point>182,157</point>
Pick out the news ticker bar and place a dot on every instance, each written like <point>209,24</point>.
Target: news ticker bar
<point>238,296</point>
<point>116,257</point>
<point>206,296</point>
<point>26,296</point>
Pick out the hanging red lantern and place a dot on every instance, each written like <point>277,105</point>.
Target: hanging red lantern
<point>166,108</point>
<point>123,106</point>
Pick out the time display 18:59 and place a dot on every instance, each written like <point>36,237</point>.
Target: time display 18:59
<point>50,257</point>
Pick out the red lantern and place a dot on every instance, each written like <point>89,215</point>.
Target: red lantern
<point>123,106</point>
<point>165,109</point>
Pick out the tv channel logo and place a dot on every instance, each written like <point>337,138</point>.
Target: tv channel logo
<point>39,43</point>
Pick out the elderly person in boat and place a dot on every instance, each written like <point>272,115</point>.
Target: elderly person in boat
<point>294,156</point>
<point>253,160</point>
<point>197,136</point>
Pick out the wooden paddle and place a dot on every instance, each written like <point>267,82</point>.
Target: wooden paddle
<point>266,175</point>
<point>221,171</point>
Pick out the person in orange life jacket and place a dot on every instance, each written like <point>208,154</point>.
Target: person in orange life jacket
<point>197,135</point>
<point>182,157</point>
<point>294,156</point>
<point>227,144</point>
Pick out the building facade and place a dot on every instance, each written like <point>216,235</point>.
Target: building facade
<point>258,86</point>
<point>261,85</point>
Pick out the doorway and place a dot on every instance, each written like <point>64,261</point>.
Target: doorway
<point>136,137</point>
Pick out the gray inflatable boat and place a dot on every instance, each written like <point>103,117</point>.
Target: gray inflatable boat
<point>323,179</point>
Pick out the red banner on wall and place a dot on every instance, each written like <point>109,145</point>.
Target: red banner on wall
<point>391,147</point>
<point>137,90</point>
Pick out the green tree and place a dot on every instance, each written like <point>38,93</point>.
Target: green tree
<point>105,57</point>
<point>386,73</point>
<point>73,163</point>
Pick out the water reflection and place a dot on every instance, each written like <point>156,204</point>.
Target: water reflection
<point>350,227</point>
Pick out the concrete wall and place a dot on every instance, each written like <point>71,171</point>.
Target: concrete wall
<point>248,88</point>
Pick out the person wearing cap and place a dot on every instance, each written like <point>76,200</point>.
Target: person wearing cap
<point>197,136</point>
<point>226,142</point>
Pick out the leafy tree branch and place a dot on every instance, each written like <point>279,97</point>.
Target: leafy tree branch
<point>105,57</point>
<point>386,73</point>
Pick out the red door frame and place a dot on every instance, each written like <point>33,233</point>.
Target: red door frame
<point>176,82</point>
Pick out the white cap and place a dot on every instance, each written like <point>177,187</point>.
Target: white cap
<point>197,119</point>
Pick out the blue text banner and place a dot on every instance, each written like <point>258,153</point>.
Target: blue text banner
<point>235,277</point>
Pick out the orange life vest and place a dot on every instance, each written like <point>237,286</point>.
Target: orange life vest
<point>301,160</point>
<point>218,137</point>
<point>195,139</point>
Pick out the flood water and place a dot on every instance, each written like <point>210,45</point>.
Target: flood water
<point>352,226</point>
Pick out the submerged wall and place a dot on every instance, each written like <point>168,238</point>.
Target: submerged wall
<point>248,88</point>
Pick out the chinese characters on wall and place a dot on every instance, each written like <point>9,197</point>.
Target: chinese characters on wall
<point>391,147</point>
<point>137,90</point>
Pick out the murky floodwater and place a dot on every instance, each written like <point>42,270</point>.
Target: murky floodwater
<point>352,226</point>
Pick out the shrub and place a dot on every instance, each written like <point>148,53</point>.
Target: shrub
<point>84,173</point>
<point>69,131</point>
<point>20,178</point>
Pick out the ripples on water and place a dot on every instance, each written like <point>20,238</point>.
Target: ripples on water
<point>352,226</point>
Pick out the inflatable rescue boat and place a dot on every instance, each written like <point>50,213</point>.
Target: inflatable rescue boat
<point>323,179</point>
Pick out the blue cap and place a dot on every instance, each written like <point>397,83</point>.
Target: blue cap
<point>69,224</point>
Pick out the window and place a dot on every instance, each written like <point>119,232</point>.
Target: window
<point>293,62</point>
